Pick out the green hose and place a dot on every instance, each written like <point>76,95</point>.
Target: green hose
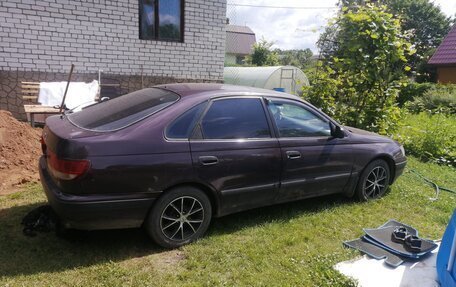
<point>433,184</point>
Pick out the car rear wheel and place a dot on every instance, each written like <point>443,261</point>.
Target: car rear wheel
<point>179,216</point>
<point>374,181</point>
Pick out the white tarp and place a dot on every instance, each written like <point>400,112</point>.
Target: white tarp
<point>371,272</point>
<point>51,93</point>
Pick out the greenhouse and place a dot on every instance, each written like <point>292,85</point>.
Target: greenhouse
<point>287,79</point>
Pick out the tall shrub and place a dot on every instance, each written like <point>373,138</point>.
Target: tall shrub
<point>359,83</point>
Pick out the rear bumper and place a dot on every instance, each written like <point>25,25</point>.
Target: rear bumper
<point>90,212</point>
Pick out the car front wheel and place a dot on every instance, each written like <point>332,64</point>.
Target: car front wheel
<point>374,181</point>
<point>179,216</point>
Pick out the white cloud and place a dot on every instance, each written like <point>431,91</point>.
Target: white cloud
<point>168,19</point>
<point>293,28</point>
<point>448,6</point>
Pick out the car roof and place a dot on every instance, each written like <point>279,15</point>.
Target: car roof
<point>214,89</point>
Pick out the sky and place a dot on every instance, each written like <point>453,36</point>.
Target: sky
<point>294,28</point>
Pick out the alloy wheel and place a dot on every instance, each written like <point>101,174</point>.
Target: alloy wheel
<point>182,218</point>
<point>375,183</point>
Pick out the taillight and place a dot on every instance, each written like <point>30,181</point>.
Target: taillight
<point>43,145</point>
<point>66,169</point>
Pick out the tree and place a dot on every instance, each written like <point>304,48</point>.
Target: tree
<point>426,24</point>
<point>263,55</point>
<point>298,58</point>
<point>359,83</point>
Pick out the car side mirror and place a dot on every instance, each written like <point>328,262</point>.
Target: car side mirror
<point>104,99</point>
<point>337,131</point>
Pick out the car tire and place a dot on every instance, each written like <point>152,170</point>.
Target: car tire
<point>374,181</point>
<point>178,217</point>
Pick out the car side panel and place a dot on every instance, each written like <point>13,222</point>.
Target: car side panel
<point>246,174</point>
<point>365,152</point>
<point>138,173</point>
<point>324,166</point>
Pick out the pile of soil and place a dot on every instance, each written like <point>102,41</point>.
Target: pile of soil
<point>20,150</point>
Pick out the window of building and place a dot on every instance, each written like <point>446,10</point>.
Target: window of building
<point>161,20</point>
<point>235,119</point>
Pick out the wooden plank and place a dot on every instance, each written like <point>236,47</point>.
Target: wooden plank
<point>30,83</point>
<point>35,87</point>
<point>30,92</point>
<point>30,97</point>
<point>39,109</point>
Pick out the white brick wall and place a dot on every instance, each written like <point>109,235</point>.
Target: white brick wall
<point>101,34</point>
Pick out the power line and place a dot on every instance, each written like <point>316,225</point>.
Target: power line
<point>281,7</point>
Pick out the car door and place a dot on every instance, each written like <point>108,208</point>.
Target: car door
<point>314,162</point>
<point>234,151</point>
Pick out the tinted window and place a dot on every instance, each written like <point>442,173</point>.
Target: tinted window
<point>123,111</point>
<point>235,119</point>
<point>294,120</point>
<point>182,127</point>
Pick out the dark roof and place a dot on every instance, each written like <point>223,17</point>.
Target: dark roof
<point>446,52</point>
<point>239,29</point>
<point>239,40</point>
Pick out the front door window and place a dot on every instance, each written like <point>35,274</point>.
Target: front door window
<point>294,120</point>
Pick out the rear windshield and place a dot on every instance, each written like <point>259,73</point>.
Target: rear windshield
<point>123,111</point>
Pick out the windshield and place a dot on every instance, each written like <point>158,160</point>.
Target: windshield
<point>123,111</point>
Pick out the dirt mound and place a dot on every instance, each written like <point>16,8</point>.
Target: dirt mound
<point>19,152</point>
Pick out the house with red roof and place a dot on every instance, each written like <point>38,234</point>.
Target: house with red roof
<point>444,59</point>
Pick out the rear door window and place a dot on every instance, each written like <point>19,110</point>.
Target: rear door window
<point>239,118</point>
<point>123,111</point>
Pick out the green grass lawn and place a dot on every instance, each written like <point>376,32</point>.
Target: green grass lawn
<point>293,244</point>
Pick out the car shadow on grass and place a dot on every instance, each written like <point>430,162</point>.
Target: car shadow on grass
<point>47,252</point>
<point>276,213</point>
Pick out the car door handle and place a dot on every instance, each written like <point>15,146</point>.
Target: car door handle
<point>292,154</point>
<point>208,160</point>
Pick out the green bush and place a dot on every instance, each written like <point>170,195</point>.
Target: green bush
<point>437,99</point>
<point>358,82</point>
<point>412,91</point>
<point>429,137</point>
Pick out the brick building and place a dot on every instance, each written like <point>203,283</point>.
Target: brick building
<point>135,42</point>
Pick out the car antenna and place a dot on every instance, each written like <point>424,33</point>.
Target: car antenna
<point>66,90</point>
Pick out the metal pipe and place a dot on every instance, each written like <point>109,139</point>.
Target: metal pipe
<point>66,89</point>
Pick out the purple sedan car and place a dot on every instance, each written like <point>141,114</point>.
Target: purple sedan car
<point>171,157</point>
